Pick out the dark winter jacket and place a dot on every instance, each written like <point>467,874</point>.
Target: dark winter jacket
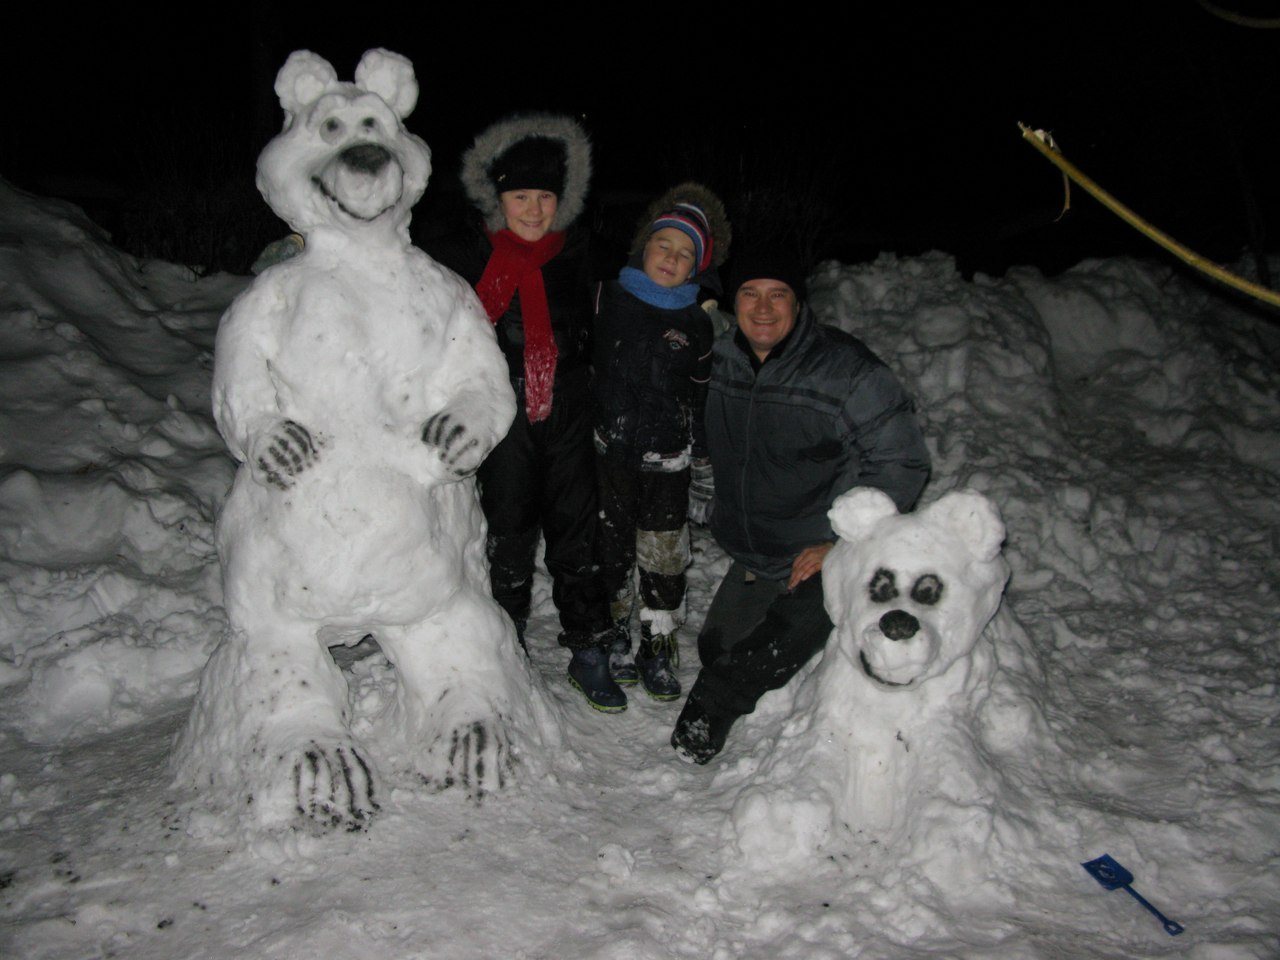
<point>565,277</point>
<point>568,298</point>
<point>651,368</point>
<point>822,415</point>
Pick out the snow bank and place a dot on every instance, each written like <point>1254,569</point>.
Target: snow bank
<point>1123,421</point>
<point>110,472</point>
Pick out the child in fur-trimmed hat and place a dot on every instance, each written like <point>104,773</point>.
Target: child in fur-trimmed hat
<point>652,363</point>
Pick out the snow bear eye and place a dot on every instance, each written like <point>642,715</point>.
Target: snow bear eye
<point>928,590</point>
<point>884,586</point>
<point>331,130</point>
<point>369,123</point>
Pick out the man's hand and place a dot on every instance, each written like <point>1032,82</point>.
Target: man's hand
<point>807,563</point>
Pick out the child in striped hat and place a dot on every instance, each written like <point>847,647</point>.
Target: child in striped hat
<point>652,362</point>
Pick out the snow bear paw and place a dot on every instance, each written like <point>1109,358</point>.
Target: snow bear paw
<point>460,452</point>
<point>477,757</point>
<point>283,454</point>
<point>333,786</point>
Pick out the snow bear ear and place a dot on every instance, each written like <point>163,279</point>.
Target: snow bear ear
<point>973,518</point>
<point>302,80</point>
<point>857,510</point>
<point>390,76</point>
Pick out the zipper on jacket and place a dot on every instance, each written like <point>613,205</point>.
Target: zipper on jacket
<point>746,464</point>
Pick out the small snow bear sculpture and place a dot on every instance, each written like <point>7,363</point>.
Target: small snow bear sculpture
<point>878,721</point>
<point>360,386</point>
<point>910,594</point>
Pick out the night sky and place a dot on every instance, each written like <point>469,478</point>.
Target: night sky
<point>887,130</point>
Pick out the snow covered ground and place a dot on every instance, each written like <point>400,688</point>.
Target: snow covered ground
<point>1120,419</point>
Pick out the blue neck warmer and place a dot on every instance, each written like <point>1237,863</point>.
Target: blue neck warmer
<point>637,283</point>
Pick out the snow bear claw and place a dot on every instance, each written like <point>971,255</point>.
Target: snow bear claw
<point>333,786</point>
<point>461,453</point>
<point>286,452</point>
<point>479,759</point>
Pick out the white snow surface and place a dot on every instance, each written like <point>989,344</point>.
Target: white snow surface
<point>1116,415</point>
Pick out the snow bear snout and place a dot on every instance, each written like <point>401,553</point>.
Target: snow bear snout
<point>901,654</point>
<point>363,181</point>
<point>366,157</point>
<point>899,625</point>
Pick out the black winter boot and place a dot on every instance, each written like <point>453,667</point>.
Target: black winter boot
<point>656,662</point>
<point>589,672</point>
<point>621,667</point>
<point>698,736</point>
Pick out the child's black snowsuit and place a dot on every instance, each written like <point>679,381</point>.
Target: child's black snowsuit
<point>651,370</point>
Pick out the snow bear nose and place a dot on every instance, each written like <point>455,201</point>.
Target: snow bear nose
<point>899,625</point>
<point>366,157</point>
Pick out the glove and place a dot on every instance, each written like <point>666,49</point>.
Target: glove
<point>702,491</point>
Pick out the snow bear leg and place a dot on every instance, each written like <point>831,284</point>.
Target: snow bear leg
<point>465,689</point>
<point>269,728</point>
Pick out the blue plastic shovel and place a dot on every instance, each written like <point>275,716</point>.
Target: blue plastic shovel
<point>1111,875</point>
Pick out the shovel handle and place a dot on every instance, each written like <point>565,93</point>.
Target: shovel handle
<point>1171,927</point>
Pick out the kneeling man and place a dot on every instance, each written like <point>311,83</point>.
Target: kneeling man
<point>797,413</point>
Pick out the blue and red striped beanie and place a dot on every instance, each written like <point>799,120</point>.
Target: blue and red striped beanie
<point>690,220</point>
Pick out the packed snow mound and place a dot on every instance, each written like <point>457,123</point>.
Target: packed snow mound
<point>360,385</point>
<point>1066,439</point>
<point>110,473</point>
<point>1133,713</point>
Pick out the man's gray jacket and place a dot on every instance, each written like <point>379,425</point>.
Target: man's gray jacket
<point>822,415</point>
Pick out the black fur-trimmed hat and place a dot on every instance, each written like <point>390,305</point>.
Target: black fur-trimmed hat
<point>494,144</point>
<point>535,163</point>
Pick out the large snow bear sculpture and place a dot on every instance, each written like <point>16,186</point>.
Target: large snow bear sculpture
<point>360,386</point>
<point>884,721</point>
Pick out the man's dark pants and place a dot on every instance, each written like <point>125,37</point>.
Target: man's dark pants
<point>756,637</point>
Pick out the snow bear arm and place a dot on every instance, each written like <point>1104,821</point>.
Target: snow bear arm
<point>471,397</point>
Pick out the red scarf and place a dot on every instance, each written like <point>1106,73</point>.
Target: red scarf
<point>517,265</point>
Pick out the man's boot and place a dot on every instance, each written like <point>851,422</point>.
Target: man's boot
<point>698,736</point>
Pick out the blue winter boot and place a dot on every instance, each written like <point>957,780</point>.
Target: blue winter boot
<point>589,672</point>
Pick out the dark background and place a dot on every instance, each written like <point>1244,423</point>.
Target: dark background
<point>849,133</point>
